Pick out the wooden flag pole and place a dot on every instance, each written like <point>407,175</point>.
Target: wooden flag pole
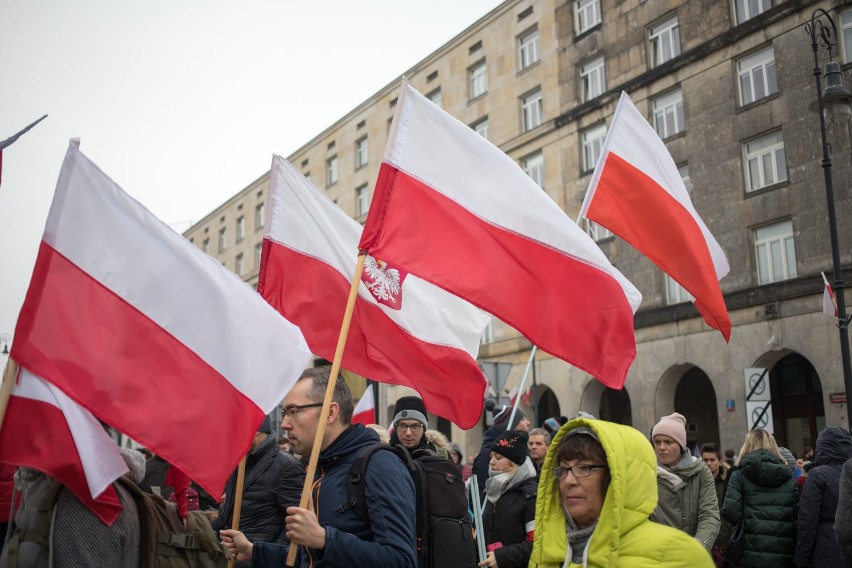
<point>329,393</point>
<point>6,387</point>
<point>238,500</point>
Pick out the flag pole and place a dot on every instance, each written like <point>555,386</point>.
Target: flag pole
<point>238,500</point>
<point>6,388</point>
<point>329,393</point>
<point>523,384</point>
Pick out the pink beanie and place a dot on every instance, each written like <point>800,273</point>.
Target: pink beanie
<point>673,426</point>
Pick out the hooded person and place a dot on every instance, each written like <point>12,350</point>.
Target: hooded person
<point>687,498</point>
<point>501,414</point>
<point>508,519</point>
<point>409,424</point>
<point>597,490</point>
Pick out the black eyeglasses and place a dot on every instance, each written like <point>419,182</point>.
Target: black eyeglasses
<point>415,428</point>
<point>290,412</point>
<point>579,471</point>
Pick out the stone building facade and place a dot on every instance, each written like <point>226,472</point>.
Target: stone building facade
<point>728,85</point>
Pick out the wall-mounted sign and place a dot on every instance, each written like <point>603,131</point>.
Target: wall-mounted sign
<point>837,397</point>
<point>730,405</point>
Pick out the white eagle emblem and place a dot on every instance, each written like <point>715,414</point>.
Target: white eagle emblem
<point>383,282</point>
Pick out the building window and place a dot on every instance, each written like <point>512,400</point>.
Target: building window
<point>221,239</point>
<point>748,9</point>
<point>592,142</point>
<point>597,232</point>
<point>528,49</point>
<point>241,228</point>
<point>331,170</point>
<point>361,153</point>
<point>534,167</point>
<point>765,161</point>
<point>593,79</point>
<point>488,333</point>
<point>238,264</point>
<point>258,253</point>
<point>587,14</point>
<point>362,200</point>
<point>435,97</point>
<point>846,34</point>
<point>775,252</point>
<point>481,128</point>
<point>665,41</point>
<point>478,80</point>
<point>531,110</point>
<point>757,76</point>
<point>684,176</point>
<point>259,215</point>
<point>205,246</point>
<point>675,293</point>
<point>668,114</point>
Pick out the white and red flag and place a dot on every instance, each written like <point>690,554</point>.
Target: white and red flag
<point>637,193</point>
<point>454,210</point>
<point>404,330</point>
<point>150,334</point>
<point>365,410</point>
<point>45,430</point>
<point>829,304</point>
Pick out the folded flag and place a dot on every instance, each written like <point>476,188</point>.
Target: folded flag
<point>829,304</point>
<point>365,410</point>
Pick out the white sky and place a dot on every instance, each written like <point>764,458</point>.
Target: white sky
<point>183,102</point>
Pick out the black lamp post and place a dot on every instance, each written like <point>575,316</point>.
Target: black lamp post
<point>834,102</point>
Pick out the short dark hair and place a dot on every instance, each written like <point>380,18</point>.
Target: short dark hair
<point>583,447</point>
<point>711,448</point>
<point>320,377</point>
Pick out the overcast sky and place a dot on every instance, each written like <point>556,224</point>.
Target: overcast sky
<point>183,102</point>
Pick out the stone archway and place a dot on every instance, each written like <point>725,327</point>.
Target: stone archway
<point>546,405</point>
<point>615,407</point>
<point>688,390</point>
<point>798,412</point>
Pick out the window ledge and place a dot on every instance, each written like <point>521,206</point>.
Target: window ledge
<point>527,68</point>
<point>767,189</point>
<point>757,103</point>
<point>588,32</point>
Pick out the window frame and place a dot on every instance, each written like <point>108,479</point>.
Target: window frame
<point>259,215</point>
<point>588,143</point>
<point>362,152</point>
<point>768,74</point>
<point>586,8</point>
<point>331,170</point>
<point>481,127</point>
<point>592,69</point>
<point>667,28</point>
<point>532,110</point>
<point>758,156</point>
<point>223,237</point>
<point>477,79</point>
<point>846,52</point>
<point>241,228</point>
<point>362,200</point>
<point>529,48</point>
<point>787,247</point>
<point>239,265</point>
<point>676,103</point>
<point>737,14</point>
<point>535,171</point>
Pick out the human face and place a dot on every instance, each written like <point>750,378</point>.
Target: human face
<point>410,432</point>
<point>712,462</point>
<point>524,424</point>
<point>537,447</point>
<point>501,463</point>
<point>301,427</point>
<point>668,451</point>
<point>584,496</point>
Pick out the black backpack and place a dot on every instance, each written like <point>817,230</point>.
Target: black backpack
<point>444,531</point>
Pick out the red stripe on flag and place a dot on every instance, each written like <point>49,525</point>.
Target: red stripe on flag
<point>304,289</point>
<point>567,307</point>
<point>147,387</point>
<point>46,444</point>
<point>637,209</point>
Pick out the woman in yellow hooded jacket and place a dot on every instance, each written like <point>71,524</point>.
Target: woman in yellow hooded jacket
<point>598,487</point>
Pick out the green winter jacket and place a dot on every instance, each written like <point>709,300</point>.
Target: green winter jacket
<point>623,536</point>
<point>687,500</point>
<point>763,492</point>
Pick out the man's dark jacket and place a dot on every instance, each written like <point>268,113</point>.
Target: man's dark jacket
<point>387,540</point>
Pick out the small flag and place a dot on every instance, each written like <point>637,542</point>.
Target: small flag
<point>829,304</point>
<point>365,410</point>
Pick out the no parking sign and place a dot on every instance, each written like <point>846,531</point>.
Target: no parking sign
<point>758,399</point>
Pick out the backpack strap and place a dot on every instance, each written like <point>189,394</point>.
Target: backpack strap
<point>357,498</point>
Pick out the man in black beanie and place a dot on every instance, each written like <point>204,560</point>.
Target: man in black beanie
<point>501,413</point>
<point>409,424</point>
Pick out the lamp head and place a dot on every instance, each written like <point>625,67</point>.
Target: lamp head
<point>836,98</point>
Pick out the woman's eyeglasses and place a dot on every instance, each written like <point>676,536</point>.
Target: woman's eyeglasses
<point>579,471</point>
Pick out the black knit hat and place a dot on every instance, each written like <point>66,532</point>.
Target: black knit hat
<point>265,426</point>
<point>501,413</point>
<point>513,445</point>
<point>409,408</point>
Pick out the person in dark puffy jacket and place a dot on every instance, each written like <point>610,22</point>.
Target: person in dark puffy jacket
<point>816,544</point>
<point>761,491</point>
<point>273,482</point>
<point>843,517</point>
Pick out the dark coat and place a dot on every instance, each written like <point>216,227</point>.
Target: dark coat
<point>387,540</point>
<point>508,522</point>
<point>273,482</point>
<point>816,544</point>
<point>763,493</point>
<point>843,517</point>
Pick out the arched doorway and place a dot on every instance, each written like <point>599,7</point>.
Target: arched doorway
<point>798,414</point>
<point>545,407</point>
<point>695,398</point>
<point>615,407</point>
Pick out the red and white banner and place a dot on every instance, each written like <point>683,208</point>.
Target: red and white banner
<point>150,334</point>
<point>454,210</point>
<point>829,304</point>
<point>637,193</point>
<point>45,430</point>
<point>365,410</point>
<point>404,330</point>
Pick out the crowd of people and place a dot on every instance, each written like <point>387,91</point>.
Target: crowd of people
<point>580,492</point>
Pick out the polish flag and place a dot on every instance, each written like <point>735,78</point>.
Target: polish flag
<point>637,193</point>
<point>454,210</point>
<point>45,430</point>
<point>829,304</point>
<point>404,330</point>
<point>150,334</point>
<point>365,410</point>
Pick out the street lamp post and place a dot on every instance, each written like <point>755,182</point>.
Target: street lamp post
<point>835,99</point>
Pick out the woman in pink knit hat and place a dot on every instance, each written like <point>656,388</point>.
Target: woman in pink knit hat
<point>687,493</point>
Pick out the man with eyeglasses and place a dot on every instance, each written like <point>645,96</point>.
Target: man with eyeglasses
<point>330,534</point>
<point>409,424</point>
